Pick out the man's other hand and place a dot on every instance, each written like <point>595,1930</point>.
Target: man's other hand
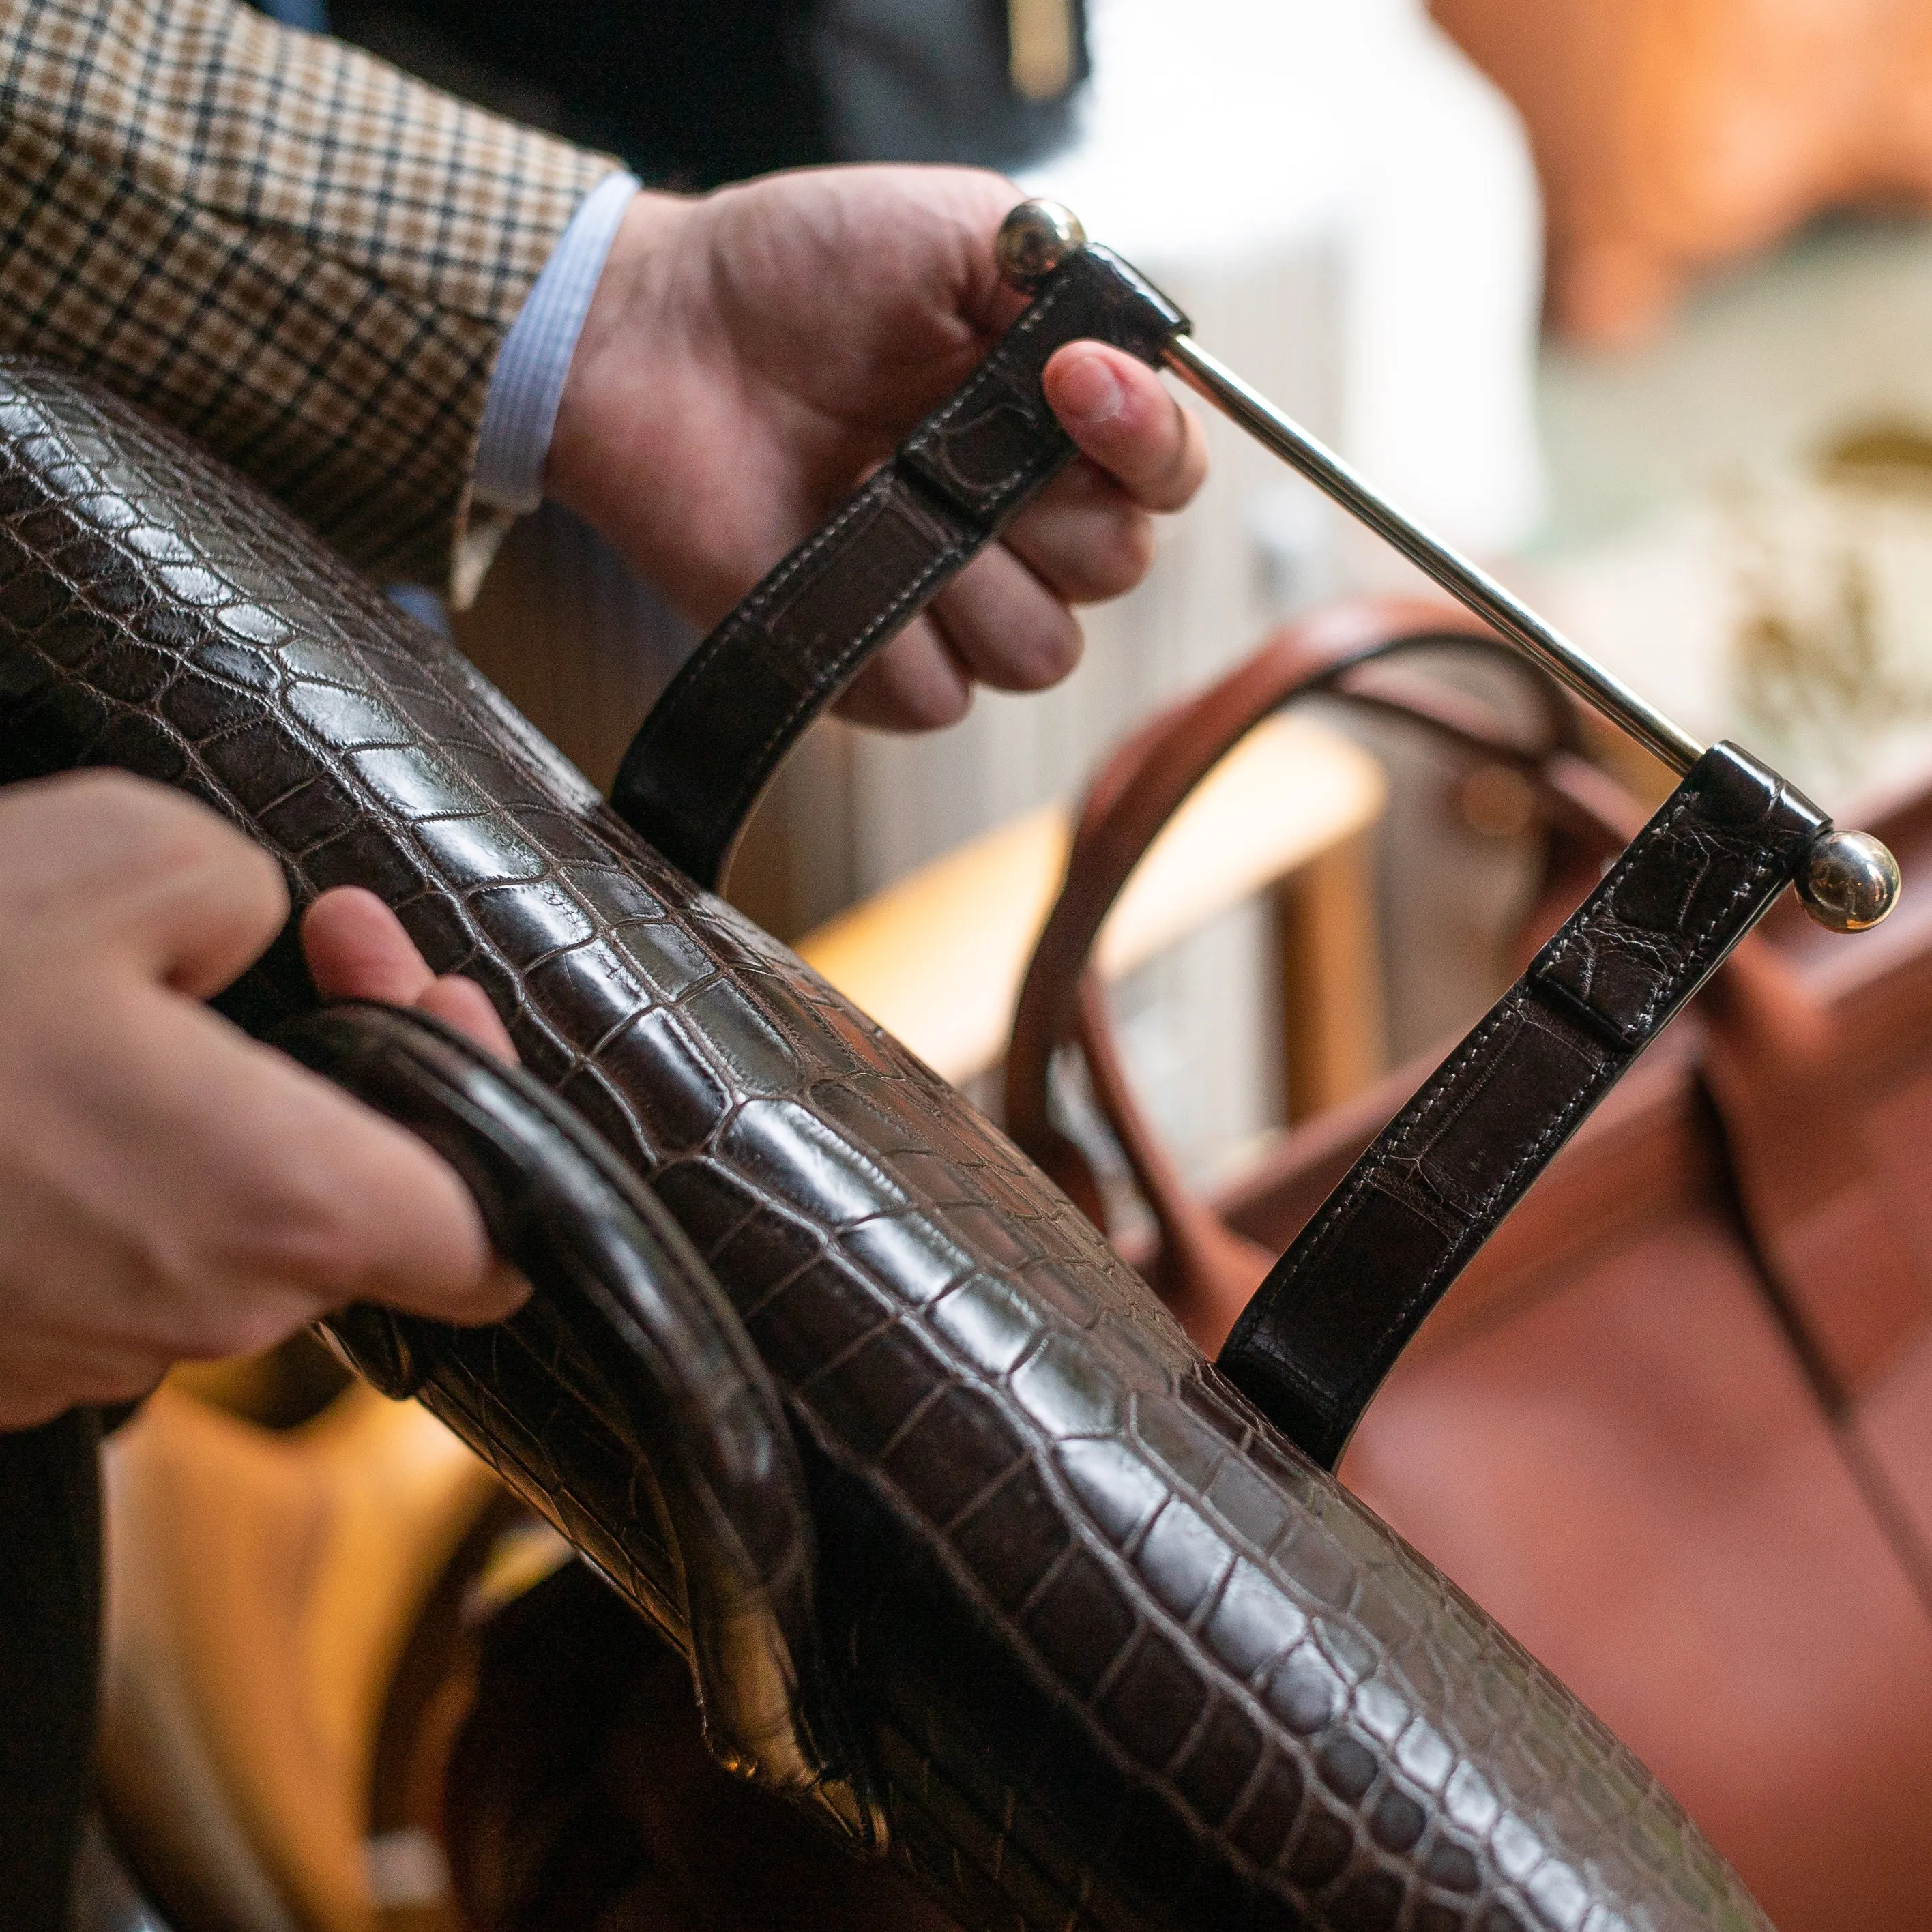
<point>168,1187</point>
<point>751,355</point>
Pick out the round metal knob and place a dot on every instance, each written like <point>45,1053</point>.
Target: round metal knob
<point>1849,882</point>
<point>1033,241</point>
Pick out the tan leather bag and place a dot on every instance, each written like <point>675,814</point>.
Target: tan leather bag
<point>1674,1426</point>
<point>1674,135</point>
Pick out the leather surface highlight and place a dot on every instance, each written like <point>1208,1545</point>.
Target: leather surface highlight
<point>716,1502</point>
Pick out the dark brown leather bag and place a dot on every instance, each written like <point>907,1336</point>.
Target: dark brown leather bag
<point>1674,1425</point>
<point>1044,1607</point>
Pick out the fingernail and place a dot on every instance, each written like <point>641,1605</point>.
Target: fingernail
<point>1089,390</point>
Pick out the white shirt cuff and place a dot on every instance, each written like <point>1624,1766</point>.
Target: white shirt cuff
<point>520,411</point>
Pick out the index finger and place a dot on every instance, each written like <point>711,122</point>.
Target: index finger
<point>1121,415</point>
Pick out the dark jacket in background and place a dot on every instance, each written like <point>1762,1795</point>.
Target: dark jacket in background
<point>694,93</point>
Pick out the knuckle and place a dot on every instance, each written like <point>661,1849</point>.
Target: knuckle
<point>1106,556</point>
<point>322,1241</point>
<point>269,1315</point>
<point>932,704</point>
<point>1188,469</point>
<point>211,859</point>
<point>920,682</point>
<point>308,1238</point>
<point>235,1315</point>
<point>1060,651</point>
<point>1046,651</point>
<point>375,1214</point>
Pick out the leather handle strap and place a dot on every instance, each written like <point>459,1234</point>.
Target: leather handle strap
<point>647,1348</point>
<point>712,742</point>
<point>1338,1308</point>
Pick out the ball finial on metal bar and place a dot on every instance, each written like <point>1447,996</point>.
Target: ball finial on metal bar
<point>1849,882</point>
<point>1033,241</point>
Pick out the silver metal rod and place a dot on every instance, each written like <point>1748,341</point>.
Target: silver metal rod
<point>1219,384</point>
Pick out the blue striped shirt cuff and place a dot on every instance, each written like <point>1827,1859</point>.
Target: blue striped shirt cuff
<point>520,411</point>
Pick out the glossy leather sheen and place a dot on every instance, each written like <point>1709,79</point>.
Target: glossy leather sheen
<point>694,770</point>
<point>1632,1428</point>
<point>1328,1323</point>
<point>1117,1655</point>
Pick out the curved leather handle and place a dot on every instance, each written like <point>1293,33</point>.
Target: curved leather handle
<point>1319,1332</point>
<point>1211,1271</point>
<point>712,741</point>
<point>655,1361</point>
<point>1762,1054</point>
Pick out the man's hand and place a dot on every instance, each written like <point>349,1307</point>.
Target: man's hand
<point>168,1187</point>
<point>749,356</point>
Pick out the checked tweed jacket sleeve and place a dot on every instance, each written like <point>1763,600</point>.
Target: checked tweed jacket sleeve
<point>297,254</point>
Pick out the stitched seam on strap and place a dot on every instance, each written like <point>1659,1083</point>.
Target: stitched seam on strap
<point>832,673</point>
<point>879,484</point>
<point>680,700</point>
<point>993,370</point>
<point>1454,1247</point>
<point>728,634</point>
<point>1406,1130</point>
<point>1406,1126</point>
<point>1555,1129</point>
<point>810,697</point>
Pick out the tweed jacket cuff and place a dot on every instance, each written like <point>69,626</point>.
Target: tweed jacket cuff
<point>299,255</point>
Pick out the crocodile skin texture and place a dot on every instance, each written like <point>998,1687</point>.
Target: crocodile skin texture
<point>1118,1655</point>
<point>1327,1325</point>
<point>694,770</point>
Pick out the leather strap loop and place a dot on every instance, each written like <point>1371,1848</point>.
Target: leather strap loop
<point>712,742</point>
<point>1211,1270</point>
<point>1327,1325</point>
